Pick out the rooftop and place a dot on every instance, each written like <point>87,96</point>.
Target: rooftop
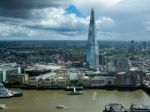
<point>45,76</point>
<point>43,67</point>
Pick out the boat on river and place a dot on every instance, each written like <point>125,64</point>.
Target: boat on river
<point>2,106</point>
<point>5,93</point>
<point>139,108</point>
<point>114,107</point>
<point>75,92</point>
<point>60,106</point>
<point>17,94</point>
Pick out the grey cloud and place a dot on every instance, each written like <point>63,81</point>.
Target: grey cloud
<point>23,8</point>
<point>15,13</point>
<point>28,4</point>
<point>132,6</point>
<point>61,30</point>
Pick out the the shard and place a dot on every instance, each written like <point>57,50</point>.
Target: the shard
<point>92,46</point>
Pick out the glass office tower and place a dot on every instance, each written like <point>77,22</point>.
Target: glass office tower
<point>92,46</point>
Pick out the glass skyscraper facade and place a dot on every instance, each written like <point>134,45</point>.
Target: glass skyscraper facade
<point>92,46</point>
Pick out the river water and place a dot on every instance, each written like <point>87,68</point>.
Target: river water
<point>92,101</point>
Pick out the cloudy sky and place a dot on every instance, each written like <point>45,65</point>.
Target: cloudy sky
<point>69,19</point>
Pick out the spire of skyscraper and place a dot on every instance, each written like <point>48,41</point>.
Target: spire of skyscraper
<point>91,35</point>
<point>92,46</point>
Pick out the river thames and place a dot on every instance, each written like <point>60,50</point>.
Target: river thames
<point>92,101</point>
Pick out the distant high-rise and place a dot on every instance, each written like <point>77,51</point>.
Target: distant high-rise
<point>92,46</point>
<point>132,47</point>
<point>144,45</point>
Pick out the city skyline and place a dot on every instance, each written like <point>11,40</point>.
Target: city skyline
<point>75,55</point>
<point>68,19</point>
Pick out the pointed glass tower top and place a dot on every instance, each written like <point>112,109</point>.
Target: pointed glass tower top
<point>91,35</point>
